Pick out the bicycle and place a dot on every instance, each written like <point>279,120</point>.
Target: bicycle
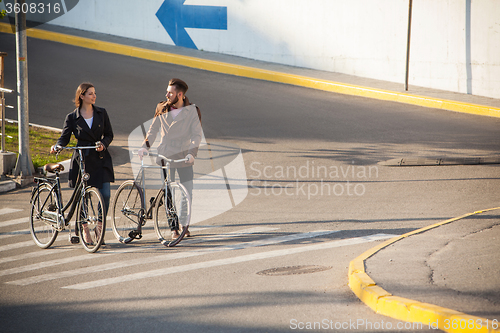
<point>47,214</point>
<point>171,205</point>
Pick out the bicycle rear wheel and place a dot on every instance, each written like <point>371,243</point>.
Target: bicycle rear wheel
<point>91,221</point>
<point>128,212</point>
<point>173,212</point>
<point>43,210</point>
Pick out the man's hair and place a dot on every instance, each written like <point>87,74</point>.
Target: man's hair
<point>182,87</point>
<point>179,85</point>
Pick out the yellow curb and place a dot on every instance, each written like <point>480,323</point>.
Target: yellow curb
<point>384,303</point>
<point>261,74</point>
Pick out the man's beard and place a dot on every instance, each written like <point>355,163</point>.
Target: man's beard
<point>170,103</point>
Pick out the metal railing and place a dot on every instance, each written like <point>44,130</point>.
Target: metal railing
<point>2,101</point>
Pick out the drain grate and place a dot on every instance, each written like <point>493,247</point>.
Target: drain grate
<point>294,270</point>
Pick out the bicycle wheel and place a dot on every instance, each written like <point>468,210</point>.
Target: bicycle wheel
<point>128,212</point>
<point>43,216</point>
<point>91,221</point>
<point>173,212</point>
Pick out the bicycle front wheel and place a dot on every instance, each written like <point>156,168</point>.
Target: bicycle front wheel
<point>43,216</point>
<point>128,212</point>
<point>91,221</point>
<point>172,213</point>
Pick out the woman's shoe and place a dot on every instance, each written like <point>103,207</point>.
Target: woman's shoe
<point>175,234</point>
<point>86,235</point>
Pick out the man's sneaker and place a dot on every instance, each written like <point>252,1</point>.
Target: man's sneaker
<point>188,234</point>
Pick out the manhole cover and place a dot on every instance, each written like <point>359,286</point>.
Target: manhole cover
<point>293,270</point>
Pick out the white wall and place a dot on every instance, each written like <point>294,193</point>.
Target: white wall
<point>366,38</point>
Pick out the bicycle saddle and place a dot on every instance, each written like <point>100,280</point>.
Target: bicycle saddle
<point>53,167</point>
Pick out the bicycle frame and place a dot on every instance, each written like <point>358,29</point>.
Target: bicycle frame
<point>166,181</point>
<point>60,220</point>
<point>130,210</point>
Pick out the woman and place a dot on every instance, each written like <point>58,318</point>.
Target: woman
<point>91,126</point>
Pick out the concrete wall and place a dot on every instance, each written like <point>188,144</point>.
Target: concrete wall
<point>455,45</point>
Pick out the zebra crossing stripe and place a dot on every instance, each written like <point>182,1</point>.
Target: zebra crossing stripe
<point>15,221</point>
<point>55,262</point>
<point>226,261</point>
<point>16,245</point>
<point>36,254</point>
<point>4,211</point>
<point>13,233</point>
<point>168,256</point>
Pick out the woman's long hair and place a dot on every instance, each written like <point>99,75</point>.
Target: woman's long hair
<point>81,90</point>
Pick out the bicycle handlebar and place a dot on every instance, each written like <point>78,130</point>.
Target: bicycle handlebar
<point>59,148</point>
<point>169,160</point>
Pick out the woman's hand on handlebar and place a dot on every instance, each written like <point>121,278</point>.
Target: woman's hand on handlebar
<point>54,149</point>
<point>99,146</point>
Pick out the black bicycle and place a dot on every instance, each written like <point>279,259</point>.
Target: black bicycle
<point>48,216</point>
<point>171,205</point>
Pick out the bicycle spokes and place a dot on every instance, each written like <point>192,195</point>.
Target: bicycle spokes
<point>128,212</point>
<point>91,223</point>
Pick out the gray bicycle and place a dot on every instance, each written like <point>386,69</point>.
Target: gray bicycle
<point>171,206</point>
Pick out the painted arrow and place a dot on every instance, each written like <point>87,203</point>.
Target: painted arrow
<point>176,17</point>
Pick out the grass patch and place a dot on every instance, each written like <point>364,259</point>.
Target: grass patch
<point>40,142</point>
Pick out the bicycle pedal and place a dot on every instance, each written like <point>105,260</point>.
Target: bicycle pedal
<point>74,239</point>
<point>135,234</point>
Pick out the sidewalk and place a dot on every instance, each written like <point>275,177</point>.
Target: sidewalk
<point>445,275</point>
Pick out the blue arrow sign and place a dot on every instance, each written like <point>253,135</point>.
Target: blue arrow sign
<point>175,17</point>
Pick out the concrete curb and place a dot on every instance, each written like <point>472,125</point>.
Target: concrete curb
<point>384,303</point>
<point>261,74</point>
<point>7,185</point>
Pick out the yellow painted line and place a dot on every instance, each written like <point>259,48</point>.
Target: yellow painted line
<point>261,74</point>
<point>384,303</point>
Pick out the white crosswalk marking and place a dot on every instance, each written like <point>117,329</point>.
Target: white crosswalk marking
<point>15,221</point>
<point>168,256</point>
<point>13,233</point>
<point>16,245</point>
<point>4,211</point>
<point>107,253</point>
<point>83,257</point>
<point>227,261</point>
<point>36,254</point>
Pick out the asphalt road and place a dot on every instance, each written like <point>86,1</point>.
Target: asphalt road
<point>325,219</point>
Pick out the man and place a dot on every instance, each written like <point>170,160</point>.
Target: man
<point>179,124</point>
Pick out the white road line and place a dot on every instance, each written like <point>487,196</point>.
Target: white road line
<point>163,257</point>
<point>15,221</point>
<point>227,261</point>
<point>212,238</point>
<point>4,211</point>
<point>55,262</point>
<point>16,245</point>
<point>4,235</point>
<point>39,253</point>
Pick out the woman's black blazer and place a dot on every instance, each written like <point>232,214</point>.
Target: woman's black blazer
<point>98,164</point>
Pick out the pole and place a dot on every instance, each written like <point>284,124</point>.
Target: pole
<point>2,82</point>
<point>24,167</point>
<point>408,45</point>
